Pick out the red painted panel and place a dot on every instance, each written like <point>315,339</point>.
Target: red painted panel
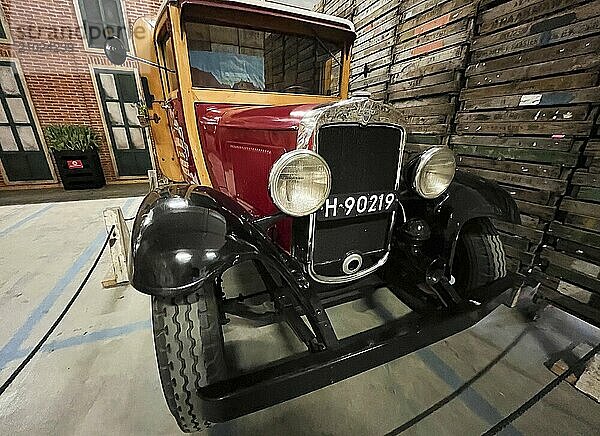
<point>241,143</point>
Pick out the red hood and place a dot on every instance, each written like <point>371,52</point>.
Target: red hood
<point>240,145</point>
<point>253,117</point>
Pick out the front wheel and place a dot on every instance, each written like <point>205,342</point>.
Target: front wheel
<point>189,350</point>
<point>479,257</point>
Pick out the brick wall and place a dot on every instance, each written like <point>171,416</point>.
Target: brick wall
<point>48,43</point>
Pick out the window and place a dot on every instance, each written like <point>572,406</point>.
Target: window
<point>101,20</point>
<point>235,58</point>
<point>4,30</point>
<point>168,60</point>
<point>119,98</point>
<point>21,151</point>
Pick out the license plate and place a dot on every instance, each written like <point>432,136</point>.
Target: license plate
<point>352,205</point>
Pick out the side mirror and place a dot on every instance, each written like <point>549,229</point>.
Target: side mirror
<point>115,51</point>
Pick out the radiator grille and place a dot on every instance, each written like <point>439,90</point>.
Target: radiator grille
<point>362,159</point>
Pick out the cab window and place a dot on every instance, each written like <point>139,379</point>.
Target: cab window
<point>234,58</point>
<point>167,56</point>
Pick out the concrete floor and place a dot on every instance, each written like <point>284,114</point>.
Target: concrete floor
<point>97,373</point>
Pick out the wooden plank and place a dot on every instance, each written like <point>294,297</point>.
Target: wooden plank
<point>564,50</point>
<point>593,145</point>
<point>432,100</point>
<point>572,64</point>
<point>496,11</point>
<point>386,9</point>
<point>371,80</point>
<point>534,236</point>
<point>578,250</point>
<point>542,156</point>
<point>575,277</point>
<point>537,86</point>
<point>442,60</point>
<point>541,183</point>
<point>523,256</point>
<point>531,169</point>
<point>440,16</point>
<point>520,11</point>
<point>538,210</point>
<point>434,129</point>
<point>580,207</point>
<point>588,193</point>
<point>543,198</point>
<point>533,142</point>
<point>570,305</point>
<point>579,236</point>
<point>582,128</point>
<point>579,29</point>
<point>555,114</point>
<point>435,119</point>
<point>375,36</point>
<point>442,88</point>
<point>460,27</point>
<point>417,82</point>
<point>418,8</point>
<point>386,44</point>
<point>514,241</point>
<point>431,47</point>
<point>434,109</point>
<point>585,222</point>
<point>586,179</point>
<point>427,139</point>
<point>549,98</point>
<point>543,27</point>
<point>570,263</point>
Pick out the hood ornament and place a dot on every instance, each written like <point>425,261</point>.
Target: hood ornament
<point>366,112</point>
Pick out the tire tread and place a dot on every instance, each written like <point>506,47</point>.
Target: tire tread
<point>189,351</point>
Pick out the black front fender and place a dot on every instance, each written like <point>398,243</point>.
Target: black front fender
<point>186,234</point>
<point>471,197</point>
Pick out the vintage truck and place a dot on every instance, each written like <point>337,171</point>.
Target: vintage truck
<point>268,160</point>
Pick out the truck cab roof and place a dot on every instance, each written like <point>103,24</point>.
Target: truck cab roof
<point>267,15</point>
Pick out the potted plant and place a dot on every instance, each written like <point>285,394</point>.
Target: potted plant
<point>142,114</point>
<point>75,150</point>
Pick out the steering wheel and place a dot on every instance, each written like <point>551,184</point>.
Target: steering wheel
<point>300,88</point>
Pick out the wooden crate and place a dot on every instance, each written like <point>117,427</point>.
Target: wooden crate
<point>527,109</point>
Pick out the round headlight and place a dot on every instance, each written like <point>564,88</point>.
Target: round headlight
<point>300,182</point>
<point>434,173</point>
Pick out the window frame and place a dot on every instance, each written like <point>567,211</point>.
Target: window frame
<point>5,27</point>
<point>106,123</point>
<point>79,13</point>
<point>341,58</point>
<point>36,124</point>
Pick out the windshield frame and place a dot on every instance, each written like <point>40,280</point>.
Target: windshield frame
<point>336,60</point>
<point>172,13</point>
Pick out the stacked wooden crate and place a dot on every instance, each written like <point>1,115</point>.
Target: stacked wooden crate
<point>376,23</point>
<point>526,108</point>
<point>571,276</point>
<point>429,58</point>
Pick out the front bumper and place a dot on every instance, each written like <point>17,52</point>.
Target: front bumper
<point>306,372</point>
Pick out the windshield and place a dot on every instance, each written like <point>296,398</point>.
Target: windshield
<point>234,58</point>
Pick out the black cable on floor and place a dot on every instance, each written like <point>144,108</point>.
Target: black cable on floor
<point>39,345</point>
<point>421,416</point>
<point>542,393</point>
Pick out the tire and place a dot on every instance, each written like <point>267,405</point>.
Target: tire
<point>189,351</point>
<point>479,258</point>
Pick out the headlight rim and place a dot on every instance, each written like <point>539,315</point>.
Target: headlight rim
<point>281,163</point>
<point>422,162</point>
